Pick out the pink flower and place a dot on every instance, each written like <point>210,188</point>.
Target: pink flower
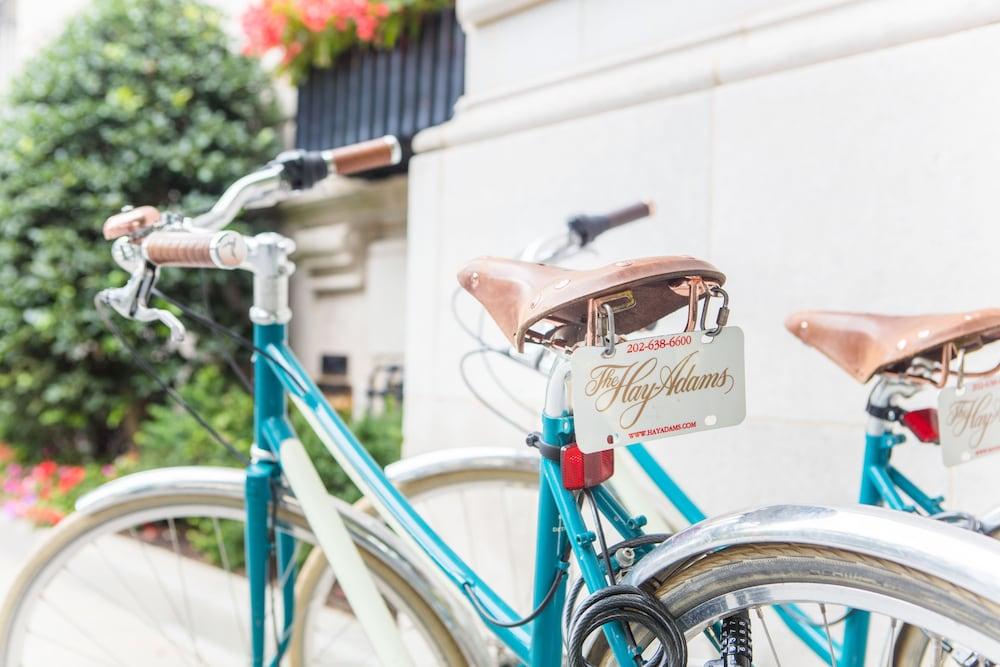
<point>12,509</point>
<point>108,470</point>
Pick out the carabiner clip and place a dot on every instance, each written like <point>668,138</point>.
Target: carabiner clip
<point>721,317</point>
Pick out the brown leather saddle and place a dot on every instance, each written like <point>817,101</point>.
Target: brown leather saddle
<point>864,344</point>
<point>552,305</point>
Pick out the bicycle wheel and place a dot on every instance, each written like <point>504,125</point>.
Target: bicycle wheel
<point>450,490</point>
<point>759,575</point>
<point>916,647</point>
<point>157,579</point>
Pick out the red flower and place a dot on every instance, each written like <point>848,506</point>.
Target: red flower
<point>365,27</point>
<point>291,50</point>
<point>44,515</point>
<point>70,476</point>
<point>264,27</point>
<point>44,470</point>
<point>316,14</point>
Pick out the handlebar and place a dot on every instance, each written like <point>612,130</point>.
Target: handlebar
<point>293,171</point>
<point>145,239</point>
<point>589,227</point>
<point>208,250</point>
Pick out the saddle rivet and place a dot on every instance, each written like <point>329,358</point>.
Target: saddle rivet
<point>968,317</point>
<point>901,344</point>
<point>534,302</point>
<point>803,325</point>
<point>923,333</point>
<point>474,279</point>
<point>625,262</point>
<point>562,283</point>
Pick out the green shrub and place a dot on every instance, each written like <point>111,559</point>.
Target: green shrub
<point>170,436</point>
<point>139,102</point>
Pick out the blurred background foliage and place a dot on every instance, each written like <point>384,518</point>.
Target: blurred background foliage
<point>171,436</point>
<point>139,102</point>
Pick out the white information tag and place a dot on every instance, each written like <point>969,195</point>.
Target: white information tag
<point>658,387</point>
<point>969,421</point>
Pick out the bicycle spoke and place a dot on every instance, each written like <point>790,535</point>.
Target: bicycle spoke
<point>332,640</point>
<point>767,633</point>
<point>149,621</point>
<point>68,619</point>
<point>175,543</point>
<point>890,648</point>
<point>240,618</point>
<point>74,650</point>
<point>143,548</point>
<point>829,637</point>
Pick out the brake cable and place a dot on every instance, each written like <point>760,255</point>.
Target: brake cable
<point>225,331</point>
<point>148,369</point>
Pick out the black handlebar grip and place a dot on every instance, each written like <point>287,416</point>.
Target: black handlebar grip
<point>589,227</point>
<point>303,169</point>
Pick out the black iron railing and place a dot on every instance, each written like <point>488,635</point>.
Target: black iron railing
<point>369,93</point>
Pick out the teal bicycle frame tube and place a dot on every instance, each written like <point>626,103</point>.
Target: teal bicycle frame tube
<point>560,525</point>
<point>261,476</point>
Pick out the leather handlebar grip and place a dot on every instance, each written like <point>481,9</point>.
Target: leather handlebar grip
<point>131,221</point>
<point>208,250</point>
<point>382,152</point>
<point>630,213</point>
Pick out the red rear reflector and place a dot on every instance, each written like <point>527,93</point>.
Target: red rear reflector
<point>923,424</point>
<point>582,471</point>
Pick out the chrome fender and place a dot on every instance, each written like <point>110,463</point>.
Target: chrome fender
<point>443,461</point>
<point>965,558</point>
<point>991,521</point>
<point>228,484</point>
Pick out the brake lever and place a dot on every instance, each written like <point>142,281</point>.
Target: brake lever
<point>131,300</point>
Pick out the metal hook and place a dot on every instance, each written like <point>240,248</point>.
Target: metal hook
<point>609,334</point>
<point>721,317</point>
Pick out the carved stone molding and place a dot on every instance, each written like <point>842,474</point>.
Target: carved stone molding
<point>333,225</point>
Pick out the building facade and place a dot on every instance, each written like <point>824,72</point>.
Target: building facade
<point>825,154</point>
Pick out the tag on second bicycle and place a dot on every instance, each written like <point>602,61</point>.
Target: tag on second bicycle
<point>658,387</point>
<point>969,421</point>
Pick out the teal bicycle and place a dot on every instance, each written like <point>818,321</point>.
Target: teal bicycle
<point>118,582</point>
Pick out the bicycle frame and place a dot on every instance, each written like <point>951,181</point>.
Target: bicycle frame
<point>560,524</point>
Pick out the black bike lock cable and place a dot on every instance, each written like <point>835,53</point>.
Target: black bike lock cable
<point>553,587</point>
<point>148,369</point>
<point>599,527</point>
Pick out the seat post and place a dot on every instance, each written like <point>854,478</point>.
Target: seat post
<point>556,391</point>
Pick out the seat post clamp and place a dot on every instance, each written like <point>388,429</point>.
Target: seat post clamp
<point>888,413</point>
